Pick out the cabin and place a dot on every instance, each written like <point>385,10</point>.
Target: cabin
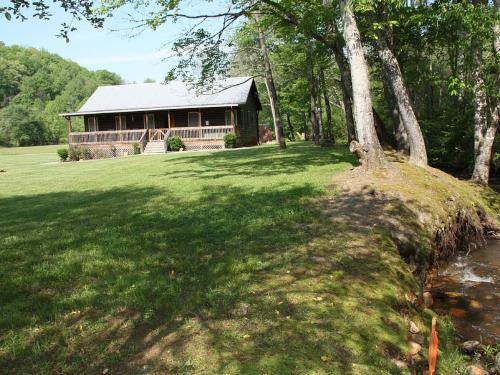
<point>120,119</point>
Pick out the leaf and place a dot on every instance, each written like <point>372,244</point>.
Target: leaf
<point>8,16</point>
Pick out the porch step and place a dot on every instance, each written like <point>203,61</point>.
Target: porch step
<point>155,147</point>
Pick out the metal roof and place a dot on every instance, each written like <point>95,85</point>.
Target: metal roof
<point>158,96</point>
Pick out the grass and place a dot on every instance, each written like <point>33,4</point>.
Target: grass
<point>195,263</point>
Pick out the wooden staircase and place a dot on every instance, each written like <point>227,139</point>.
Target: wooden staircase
<point>155,147</point>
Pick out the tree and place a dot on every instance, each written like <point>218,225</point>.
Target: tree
<point>271,88</point>
<point>368,146</point>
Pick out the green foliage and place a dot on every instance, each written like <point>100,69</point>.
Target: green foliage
<point>175,143</point>
<point>137,148</point>
<point>35,86</point>
<point>63,154</point>
<point>230,140</point>
<point>75,153</point>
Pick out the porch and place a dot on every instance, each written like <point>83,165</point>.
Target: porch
<point>121,142</point>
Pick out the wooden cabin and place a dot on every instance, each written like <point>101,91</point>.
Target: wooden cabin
<point>149,114</point>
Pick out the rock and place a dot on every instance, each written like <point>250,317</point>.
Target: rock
<point>105,371</point>
<point>320,260</point>
<point>414,348</point>
<point>428,301</point>
<point>418,338</point>
<point>413,328</point>
<point>400,364</point>
<point>470,346</point>
<point>476,370</point>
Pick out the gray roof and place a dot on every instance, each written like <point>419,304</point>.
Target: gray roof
<point>158,96</point>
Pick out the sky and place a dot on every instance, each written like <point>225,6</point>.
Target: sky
<point>133,57</point>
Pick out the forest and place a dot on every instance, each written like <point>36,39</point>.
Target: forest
<point>35,86</point>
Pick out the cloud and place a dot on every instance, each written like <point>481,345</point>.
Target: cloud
<point>133,57</point>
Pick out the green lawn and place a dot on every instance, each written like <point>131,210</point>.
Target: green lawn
<point>191,263</point>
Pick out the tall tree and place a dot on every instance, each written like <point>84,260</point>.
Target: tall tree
<point>391,73</point>
<point>271,88</point>
<point>368,146</point>
<point>485,127</point>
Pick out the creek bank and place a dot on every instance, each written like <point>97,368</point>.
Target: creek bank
<point>428,215</point>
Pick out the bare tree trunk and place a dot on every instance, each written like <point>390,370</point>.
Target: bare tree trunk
<point>345,80</point>
<point>398,131</point>
<point>380,128</point>
<point>368,149</point>
<point>329,138</point>
<point>306,135</point>
<point>290,126</point>
<point>271,88</point>
<point>484,130</point>
<point>392,73</point>
<point>315,120</point>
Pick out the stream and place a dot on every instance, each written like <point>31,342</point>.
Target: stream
<point>468,290</point>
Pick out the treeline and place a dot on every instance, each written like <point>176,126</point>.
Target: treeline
<point>35,86</point>
<point>448,66</point>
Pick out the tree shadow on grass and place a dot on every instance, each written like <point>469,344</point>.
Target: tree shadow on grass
<point>260,161</point>
<point>132,280</point>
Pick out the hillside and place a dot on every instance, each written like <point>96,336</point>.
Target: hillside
<point>35,86</point>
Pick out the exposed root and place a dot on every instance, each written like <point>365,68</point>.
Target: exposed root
<point>465,232</point>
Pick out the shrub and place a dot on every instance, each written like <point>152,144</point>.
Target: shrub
<point>175,143</point>
<point>230,140</point>
<point>63,154</point>
<point>86,153</point>
<point>137,148</point>
<point>74,154</point>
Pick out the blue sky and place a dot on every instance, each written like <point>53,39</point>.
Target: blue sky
<point>135,58</point>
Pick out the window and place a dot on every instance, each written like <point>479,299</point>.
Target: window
<point>120,122</point>
<point>193,118</point>
<point>228,117</point>
<point>149,121</point>
<point>92,124</point>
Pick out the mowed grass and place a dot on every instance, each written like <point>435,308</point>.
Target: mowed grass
<point>192,263</point>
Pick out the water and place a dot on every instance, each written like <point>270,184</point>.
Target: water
<point>467,288</point>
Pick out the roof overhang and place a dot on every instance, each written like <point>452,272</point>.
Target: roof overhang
<point>72,114</point>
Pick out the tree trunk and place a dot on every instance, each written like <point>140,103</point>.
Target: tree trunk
<point>484,131</point>
<point>329,137</point>
<point>392,74</point>
<point>290,126</point>
<point>345,80</point>
<point>271,88</point>
<point>398,130</point>
<point>306,135</point>
<point>315,120</point>
<point>369,147</point>
<point>380,128</point>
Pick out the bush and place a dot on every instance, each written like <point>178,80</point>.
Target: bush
<point>86,153</point>
<point>74,154</point>
<point>175,143</point>
<point>230,140</point>
<point>137,148</point>
<point>63,154</point>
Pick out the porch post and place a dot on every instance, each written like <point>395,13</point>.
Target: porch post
<point>168,118</point>
<point>68,119</point>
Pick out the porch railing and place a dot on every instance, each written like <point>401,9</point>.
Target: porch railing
<point>202,132</point>
<point>119,136</point>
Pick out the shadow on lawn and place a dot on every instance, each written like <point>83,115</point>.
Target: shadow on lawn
<point>128,278</point>
<point>261,161</point>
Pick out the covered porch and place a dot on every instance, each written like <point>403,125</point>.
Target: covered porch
<point>202,128</point>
